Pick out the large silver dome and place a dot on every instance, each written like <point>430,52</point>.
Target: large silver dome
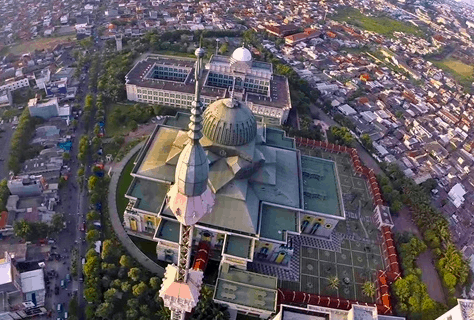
<point>229,122</point>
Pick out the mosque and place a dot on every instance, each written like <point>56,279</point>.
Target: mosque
<point>219,185</point>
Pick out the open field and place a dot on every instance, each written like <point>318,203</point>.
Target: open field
<point>381,25</point>
<point>38,44</point>
<point>459,70</point>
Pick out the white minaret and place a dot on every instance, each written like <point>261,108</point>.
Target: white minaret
<point>118,41</point>
<point>189,199</point>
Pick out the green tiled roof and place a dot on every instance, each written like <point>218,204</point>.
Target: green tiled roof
<point>276,220</point>
<point>150,194</point>
<point>238,246</point>
<point>321,191</point>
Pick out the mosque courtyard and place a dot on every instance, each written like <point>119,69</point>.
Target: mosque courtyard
<point>355,254</point>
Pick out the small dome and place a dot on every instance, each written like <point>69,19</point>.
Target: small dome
<point>242,54</point>
<point>229,124</point>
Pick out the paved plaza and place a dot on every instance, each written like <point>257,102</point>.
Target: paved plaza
<point>357,256</point>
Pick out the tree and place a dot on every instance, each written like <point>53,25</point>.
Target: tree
<point>334,283</point>
<point>104,310</point>
<point>80,172</point>
<point>90,311</point>
<point>92,182</point>
<point>22,228</point>
<point>126,286</point>
<point>109,250</point>
<point>134,274</point>
<point>139,289</point>
<point>92,216</point>
<point>125,261</point>
<point>92,236</point>
<point>91,294</point>
<point>449,280</point>
<point>224,48</point>
<point>110,294</point>
<point>66,156</point>
<point>367,142</point>
<point>57,222</point>
<point>368,289</point>
<point>155,283</point>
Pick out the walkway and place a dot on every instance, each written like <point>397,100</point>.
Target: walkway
<point>402,222</point>
<point>132,249</point>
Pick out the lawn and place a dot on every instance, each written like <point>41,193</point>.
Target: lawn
<point>122,187</point>
<point>381,25</point>
<point>39,44</point>
<point>459,70</point>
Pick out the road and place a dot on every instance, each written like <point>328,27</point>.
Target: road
<point>75,205</point>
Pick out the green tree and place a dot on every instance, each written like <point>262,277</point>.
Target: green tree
<point>22,229</point>
<point>110,294</point>
<point>134,274</point>
<point>104,310</point>
<point>92,236</point>
<point>126,286</point>
<point>57,222</point>
<point>368,289</point>
<point>140,289</point>
<point>367,142</point>
<point>66,156</point>
<point>92,216</point>
<point>155,283</point>
<point>109,250</point>
<point>334,283</point>
<point>92,182</point>
<point>125,261</point>
<point>91,294</point>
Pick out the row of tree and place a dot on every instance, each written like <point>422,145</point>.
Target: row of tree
<point>434,227</point>
<point>20,140</point>
<point>4,194</point>
<point>410,292</point>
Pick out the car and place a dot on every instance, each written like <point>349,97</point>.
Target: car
<point>65,315</point>
<point>68,277</point>
<point>60,307</point>
<point>63,284</point>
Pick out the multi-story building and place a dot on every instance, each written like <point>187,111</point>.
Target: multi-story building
<point>26,186</point>
<point>169,82</point>
<point>14,83</point>
<point>44,109</point>
<point>5,98</point>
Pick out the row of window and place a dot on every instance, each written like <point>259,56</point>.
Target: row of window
<point>267,112</point>
<point>213,75</point>
<point>164,94</point>
<point>163,68</point>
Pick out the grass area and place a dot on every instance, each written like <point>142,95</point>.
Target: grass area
<point>122,187</point>
<point>39,44</point>
<point>463,73</point>
<point>381,25</point>
<point>147,247</point>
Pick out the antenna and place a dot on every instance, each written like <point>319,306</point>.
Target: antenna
<point>217,45</point>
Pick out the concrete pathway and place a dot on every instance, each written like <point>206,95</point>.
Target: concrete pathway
<point>132,249</point>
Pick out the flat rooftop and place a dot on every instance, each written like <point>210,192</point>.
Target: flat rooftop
<point>321,192</point>
<point>278,138</point>
<point>138,76</point>
<point>150,194</point>
<point>276,220</point>
<point>238,246</point>
<point>168,230</point>
<point>246,288</point>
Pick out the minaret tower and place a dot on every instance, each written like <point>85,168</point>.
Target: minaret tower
<point>189,199</point>
<point>118,41</point>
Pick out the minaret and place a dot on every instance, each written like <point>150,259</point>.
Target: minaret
<point>189,199</point>
<point>118,41</point>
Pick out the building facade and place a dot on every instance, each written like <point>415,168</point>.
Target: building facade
<point>168,82</point>
<point>44,109</point>
<point>13,84</point>
<point>26,186</point>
